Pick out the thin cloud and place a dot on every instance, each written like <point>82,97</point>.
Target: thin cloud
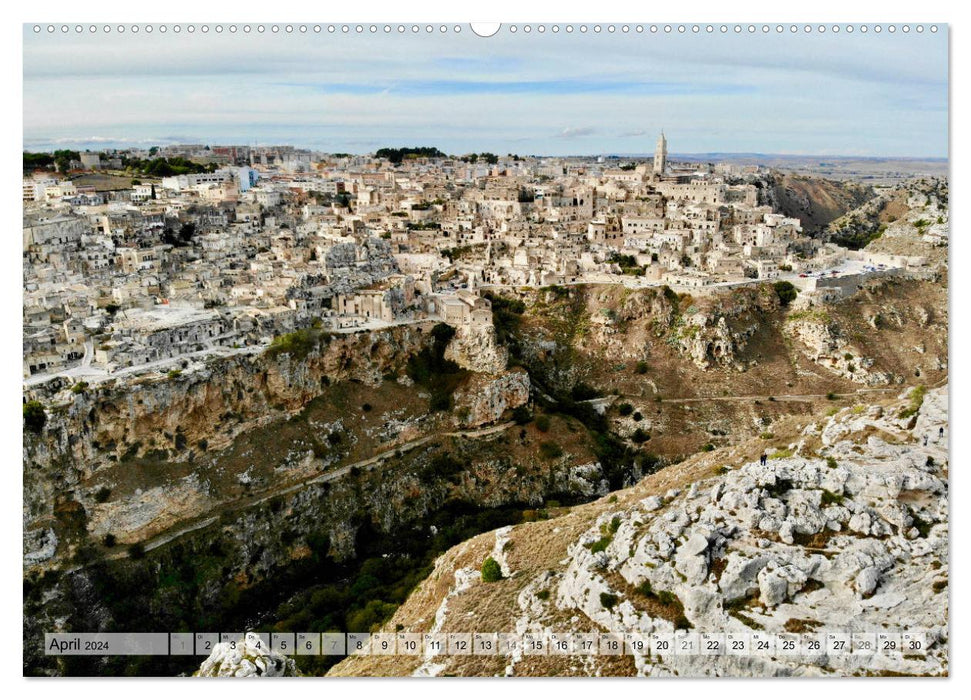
<point>576,132</point>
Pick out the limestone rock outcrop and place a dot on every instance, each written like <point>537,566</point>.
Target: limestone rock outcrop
<point>250,657</point>
<point>828,348</point>
<point>485,398</point>
<point>475,348</point>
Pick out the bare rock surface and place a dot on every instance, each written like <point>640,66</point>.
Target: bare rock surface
<point>250,657</point>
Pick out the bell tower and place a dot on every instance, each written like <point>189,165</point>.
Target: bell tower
<point>661,155</point>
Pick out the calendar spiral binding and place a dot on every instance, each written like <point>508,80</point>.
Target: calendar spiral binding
<point>591,29</point>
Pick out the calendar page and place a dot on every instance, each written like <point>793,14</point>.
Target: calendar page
<point>436,349</point>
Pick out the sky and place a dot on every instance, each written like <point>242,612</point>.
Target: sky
<point>542,94</point>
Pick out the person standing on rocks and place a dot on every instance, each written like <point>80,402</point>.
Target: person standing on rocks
<point>763,459</point>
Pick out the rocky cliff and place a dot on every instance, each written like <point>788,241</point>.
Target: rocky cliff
<point>133,458</point>
<point>475,348</point>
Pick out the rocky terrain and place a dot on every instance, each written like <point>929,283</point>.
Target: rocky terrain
<point>816,201</point>
<point>844,529</point>
<point>312,485</point>
<point>906,219</point>
<point>700,370</point>
<point>247,658</point>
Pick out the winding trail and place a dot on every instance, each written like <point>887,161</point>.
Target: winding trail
<point>779,397</point>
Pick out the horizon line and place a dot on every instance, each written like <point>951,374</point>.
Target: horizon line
<point>604,154</point>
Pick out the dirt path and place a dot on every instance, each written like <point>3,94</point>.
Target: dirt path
<point>780,397</point>
<point>784,397</point>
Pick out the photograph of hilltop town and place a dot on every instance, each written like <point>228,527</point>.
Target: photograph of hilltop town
<point>486,363</point>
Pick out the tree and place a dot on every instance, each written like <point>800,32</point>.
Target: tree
<point>786,292</point>
<point>522,415</point>
<point>396,155</point>
<point>35,417</point>
<point>491,571</point>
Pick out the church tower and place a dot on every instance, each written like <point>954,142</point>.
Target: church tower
<point>661,155</point>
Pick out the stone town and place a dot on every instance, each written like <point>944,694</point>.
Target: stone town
<point>265,241</point>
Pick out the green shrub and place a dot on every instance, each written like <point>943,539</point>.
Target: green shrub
<point>831,462</point>
<point>35,417</point>
<point>80,387</point>
<point>831,499</point>
<point>542,423</point>
<point>601,544</point>
<point>109,540</point>
<point>625,409</point>
<point>641,367</point>
<point>136,550</point>
<point>608,600</point>
<point>521,415</point>
<point>297,345</point>
<point>785,291</point>
<point>102,494</point>
<point>916,401</point>
<point>640,436</point>
<point>550,450</point>
<point>638,416</point>
<point>649,463</point>
<point>583,392</point>
<point>491,571</point>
